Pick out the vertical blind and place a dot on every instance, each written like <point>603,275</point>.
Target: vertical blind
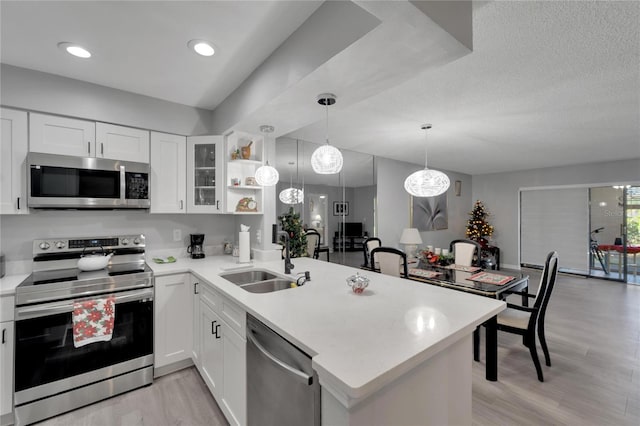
<point>555,219</point>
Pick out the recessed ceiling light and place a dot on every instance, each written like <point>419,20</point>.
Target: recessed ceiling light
<point>74,49</point>
<point>201,47</point>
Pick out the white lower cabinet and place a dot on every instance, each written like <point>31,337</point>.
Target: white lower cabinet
<point>221,352</point>
<point>234,381</point>
<point>173,319</point>
<point>6,360</point>
<point>211,361</point>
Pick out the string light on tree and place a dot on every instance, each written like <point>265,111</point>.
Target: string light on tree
<point>478,229</point>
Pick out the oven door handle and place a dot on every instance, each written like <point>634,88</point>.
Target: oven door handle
<point>64,306</point>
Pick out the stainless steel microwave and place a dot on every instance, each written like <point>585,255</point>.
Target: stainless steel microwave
<point>67,182</point>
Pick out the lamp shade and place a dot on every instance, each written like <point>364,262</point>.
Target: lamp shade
<point>267,175</point>
<point>326,160</point>
<point>410,236</point>
<point>426,183</point>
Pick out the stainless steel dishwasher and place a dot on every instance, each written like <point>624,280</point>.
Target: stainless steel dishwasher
<point>283,389</point>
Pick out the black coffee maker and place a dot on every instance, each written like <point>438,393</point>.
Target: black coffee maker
<point>196,247</point>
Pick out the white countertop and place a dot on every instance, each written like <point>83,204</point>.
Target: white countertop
<point>359,343</point>
<point>8,283</point>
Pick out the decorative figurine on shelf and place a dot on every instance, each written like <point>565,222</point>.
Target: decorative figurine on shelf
<point>478,229</point>
<point>235,154</point>
<point>247,204</point>
<point>246,151</point>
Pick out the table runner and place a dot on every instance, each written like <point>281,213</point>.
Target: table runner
<point>489,278</point>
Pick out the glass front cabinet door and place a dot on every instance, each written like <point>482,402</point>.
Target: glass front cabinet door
<point>205,174</point>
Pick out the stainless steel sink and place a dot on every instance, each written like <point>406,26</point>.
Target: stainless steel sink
<point>257,281</point>
<point>267,286</point>
<point>247,277</point>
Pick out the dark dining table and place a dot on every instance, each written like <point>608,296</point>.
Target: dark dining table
<point>458,280</point>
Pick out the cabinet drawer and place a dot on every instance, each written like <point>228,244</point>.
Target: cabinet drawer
<point>6,308</point>
<point>209,296</point>
<point>234,316</point>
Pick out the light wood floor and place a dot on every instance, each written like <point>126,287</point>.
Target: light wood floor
<point>593,332</point>
<point>178,399</point>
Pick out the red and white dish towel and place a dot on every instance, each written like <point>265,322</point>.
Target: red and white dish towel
<point>93,321</point>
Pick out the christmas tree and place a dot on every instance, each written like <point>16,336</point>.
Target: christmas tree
<point>291,223</point>
<point>478,229</point>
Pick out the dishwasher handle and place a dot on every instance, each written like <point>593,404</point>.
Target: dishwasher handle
<point>303,377</point>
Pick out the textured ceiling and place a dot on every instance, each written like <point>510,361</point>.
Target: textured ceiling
<point>547,83</point>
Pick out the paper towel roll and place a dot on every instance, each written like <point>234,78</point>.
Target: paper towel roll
<point>245,247</point>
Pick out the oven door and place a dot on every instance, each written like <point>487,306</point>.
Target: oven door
<point>46,361</point>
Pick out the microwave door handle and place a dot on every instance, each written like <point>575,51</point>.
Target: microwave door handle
<point>299,375</point>
<point>63,307</point>
<point>123,185</point>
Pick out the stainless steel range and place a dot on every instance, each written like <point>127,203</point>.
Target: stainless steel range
<point>52,375</point>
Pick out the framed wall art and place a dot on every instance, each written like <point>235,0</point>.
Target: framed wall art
<point>340,208</point>
<point>429,213</point>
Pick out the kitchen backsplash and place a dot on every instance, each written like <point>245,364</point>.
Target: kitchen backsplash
<point>18,232</point>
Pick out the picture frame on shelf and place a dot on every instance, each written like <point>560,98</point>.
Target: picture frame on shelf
<point>341,208</point>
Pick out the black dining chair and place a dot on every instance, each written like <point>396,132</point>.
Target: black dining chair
<point>313,243</point>
<point>466,252</point>
<point>526,321</point>
<point>368,245</point>
<point>389,261</point>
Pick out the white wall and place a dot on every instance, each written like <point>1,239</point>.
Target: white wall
<point>499,192</point>
<point>393,205</point>
<point>18,232</point>
<point>362,207</point>
<point>38,91</point>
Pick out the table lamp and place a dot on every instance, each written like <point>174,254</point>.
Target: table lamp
<point>411,239</point>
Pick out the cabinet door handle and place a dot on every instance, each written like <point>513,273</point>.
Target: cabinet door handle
<point>181,204</point>
<point>216,333</point>
<point>4,333</point>
<point>101,148</point>
<point>89,147</point>
<point>218,204</point>
<point>195,288</point>
<point>18,203</point>
<point>213,327</point>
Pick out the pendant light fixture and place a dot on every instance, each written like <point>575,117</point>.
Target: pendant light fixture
<point>327,159</point>
<point>292,195</point>
<point>427,182</point>
<point>266,175</point>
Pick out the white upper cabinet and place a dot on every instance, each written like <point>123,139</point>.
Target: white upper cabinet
<point>69,136</point>
<point>168,173</point>
<point>122,143</point>
<point>205,174</point>
<point>13,152</point>
<point>60,135</point>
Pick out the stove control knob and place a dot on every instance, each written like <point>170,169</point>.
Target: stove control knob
<point>44,245</point>
<point>125,241</point>
<point>136,241</point>
<point>60,244</point>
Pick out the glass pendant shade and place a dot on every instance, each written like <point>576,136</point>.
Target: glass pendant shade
<point>267,175</point>
<point>426,183</point>
<point>291,196</point>
<point>326,160</point>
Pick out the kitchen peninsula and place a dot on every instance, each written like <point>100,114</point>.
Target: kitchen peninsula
<point>400,353</point>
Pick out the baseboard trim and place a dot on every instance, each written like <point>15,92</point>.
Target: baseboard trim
<point>167,369</point>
